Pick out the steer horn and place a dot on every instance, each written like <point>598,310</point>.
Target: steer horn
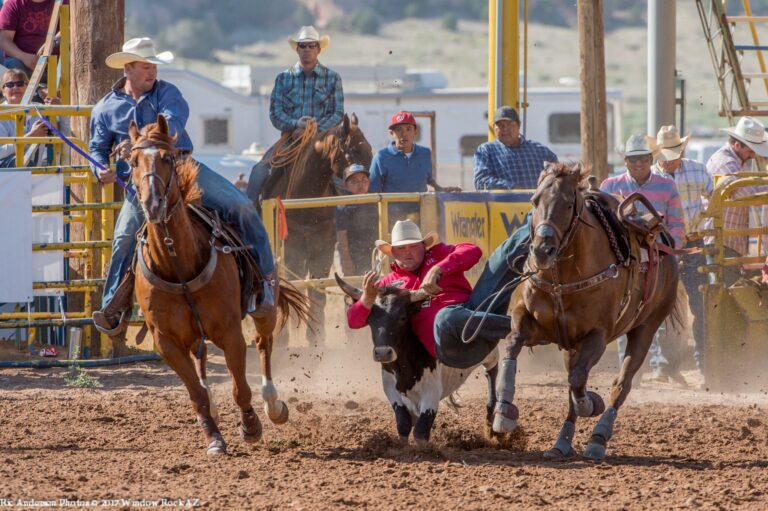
<point>350,290</point>
<point>419,296</point>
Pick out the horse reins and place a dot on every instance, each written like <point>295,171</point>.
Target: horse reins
<point>167,239</point>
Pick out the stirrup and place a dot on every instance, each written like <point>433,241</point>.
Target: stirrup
<point>264,307</point>
<point>100,320</point>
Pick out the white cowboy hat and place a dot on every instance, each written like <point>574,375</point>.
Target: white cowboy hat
<point>669,143</point>
<point>752,133</point>
<point>406,232</point>
<point>309,34</point>
<point>638,145</point>
<point>139,49</point>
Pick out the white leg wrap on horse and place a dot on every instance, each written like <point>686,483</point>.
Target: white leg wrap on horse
<point>505,388</point>
<point>211,403</point>
<point>564,442</point>
<point>583,406</point>
<point>604,427</point>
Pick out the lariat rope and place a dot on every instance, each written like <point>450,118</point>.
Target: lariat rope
<point>287,150</point>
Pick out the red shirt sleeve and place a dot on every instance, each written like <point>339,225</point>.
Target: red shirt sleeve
<point>461,258</point>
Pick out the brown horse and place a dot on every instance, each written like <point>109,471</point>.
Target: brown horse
<point>179,248</point>
<point>312,232</point>
<point>580,297</point>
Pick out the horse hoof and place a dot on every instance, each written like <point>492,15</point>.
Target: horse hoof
<point>594,452</point>
<point>503,424</point>
<point>557,454</point>
<point>250,427</point>
<point>421,443</point>
<point>403,441</point>
<point>217,447</point>
<point>598,405</point>
<point>280,413</point>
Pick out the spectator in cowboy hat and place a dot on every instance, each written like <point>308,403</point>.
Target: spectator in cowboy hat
<point>662,193</point>
<point>307,90</point>
<point>745,141</point>
<point>420,262</point>
<point>140,97</point>
<point>695,187</point>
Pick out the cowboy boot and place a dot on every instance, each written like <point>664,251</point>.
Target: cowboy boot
<point>263,304</point>
<point>112,320</point>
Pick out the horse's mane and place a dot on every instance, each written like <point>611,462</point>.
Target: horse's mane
<point>186,170</point>
<point>330,143</point>
<point>562,169</point>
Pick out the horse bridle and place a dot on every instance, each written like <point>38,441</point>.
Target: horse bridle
<point>149,144</point>
<point>563,239</point>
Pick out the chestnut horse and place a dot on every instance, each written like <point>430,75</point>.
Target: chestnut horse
<point>312,232</point>
<point>179,248</point>
<point>580,297</point>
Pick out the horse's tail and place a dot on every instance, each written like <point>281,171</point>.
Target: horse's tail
<point>291,299</point>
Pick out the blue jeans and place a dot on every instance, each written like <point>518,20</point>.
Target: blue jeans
<point>218,194</point>
<point>503,266</point>
<point>663,354</point>
<point>259,175</point>
<point>14,63</point>
<point>692,279</point>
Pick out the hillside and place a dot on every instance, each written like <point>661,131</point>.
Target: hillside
<point>461,55</point>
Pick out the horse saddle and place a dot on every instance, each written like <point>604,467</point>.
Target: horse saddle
<point>648,224</point>
<point>227,240</point>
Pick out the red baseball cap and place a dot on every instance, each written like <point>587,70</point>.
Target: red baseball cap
<point>402,118</point>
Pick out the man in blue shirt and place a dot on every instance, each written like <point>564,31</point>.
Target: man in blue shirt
<point>139,96</point>
<point>308,90</point>
<point>403,166</point>
<point>511,161</point>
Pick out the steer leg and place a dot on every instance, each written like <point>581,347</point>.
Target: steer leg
<point>403,418</point>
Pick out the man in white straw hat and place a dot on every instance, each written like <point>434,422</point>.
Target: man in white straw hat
<point>307,90</point>
<point>140,96</point>
<point>695,187</point>
<point>420,262</point>
<point>745,141</point>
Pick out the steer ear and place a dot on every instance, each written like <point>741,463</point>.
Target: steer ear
<point>350,290</point>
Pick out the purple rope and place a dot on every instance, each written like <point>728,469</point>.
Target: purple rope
<point>82,153</point>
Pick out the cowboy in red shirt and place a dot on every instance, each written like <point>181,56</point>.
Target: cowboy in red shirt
<point>420,263</point>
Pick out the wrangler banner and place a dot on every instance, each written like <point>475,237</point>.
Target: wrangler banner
<point>483,218</point>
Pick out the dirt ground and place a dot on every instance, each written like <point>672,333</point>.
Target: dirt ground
<point>133,441</point>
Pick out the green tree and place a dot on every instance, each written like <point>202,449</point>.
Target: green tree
<point>185,37</point>
<point>450,22</point>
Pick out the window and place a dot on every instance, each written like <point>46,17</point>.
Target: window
<point>565,128</point>
<point>216,131</point>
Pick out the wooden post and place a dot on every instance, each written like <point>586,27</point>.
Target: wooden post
<point>594,139</point>
<point>96,31</point>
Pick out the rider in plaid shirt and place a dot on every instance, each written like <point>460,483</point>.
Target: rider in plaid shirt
<point>307,90</point>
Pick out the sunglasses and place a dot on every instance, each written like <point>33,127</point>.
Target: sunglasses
<point>18,83</point>
<point>307,45</point>
<point>637,159</point>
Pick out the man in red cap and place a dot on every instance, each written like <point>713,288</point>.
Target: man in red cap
<point>403,166</point>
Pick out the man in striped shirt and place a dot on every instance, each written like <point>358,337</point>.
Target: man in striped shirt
<point>307,90</point>
<point>662,193</point>
<point>695,187</point>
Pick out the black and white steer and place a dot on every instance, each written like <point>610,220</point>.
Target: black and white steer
<point>413,381</point>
